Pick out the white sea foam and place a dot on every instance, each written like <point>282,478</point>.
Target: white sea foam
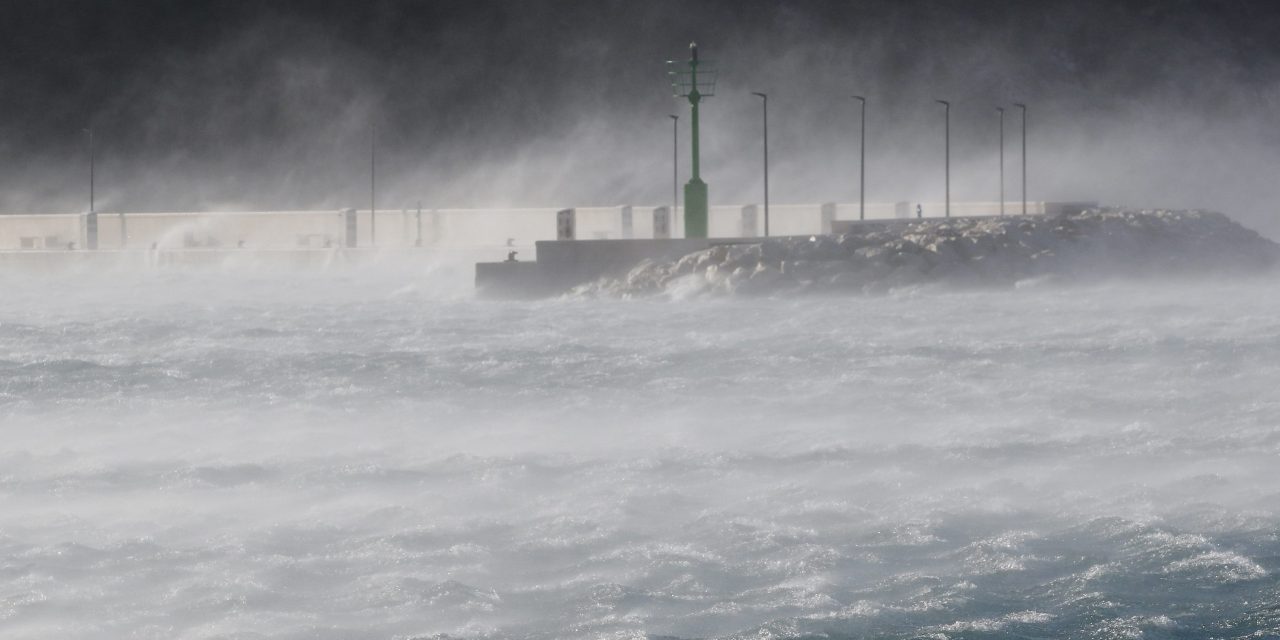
<point>365,454</point>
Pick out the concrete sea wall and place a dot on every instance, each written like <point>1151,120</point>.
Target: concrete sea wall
<point>262,230</point>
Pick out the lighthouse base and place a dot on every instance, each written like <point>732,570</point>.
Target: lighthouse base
<point>695,209</point>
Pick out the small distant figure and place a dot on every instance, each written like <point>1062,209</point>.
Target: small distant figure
<point>155,245</point>
<point>71,246</point>
<point>240,244</point>
<point>511,256</point>
<point>511,242</point>
<point>919,210</point>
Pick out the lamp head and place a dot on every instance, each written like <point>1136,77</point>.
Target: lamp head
<point>757,93</point>
<point>860,99</point>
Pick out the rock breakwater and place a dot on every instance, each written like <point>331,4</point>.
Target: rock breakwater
<point>965,252</point>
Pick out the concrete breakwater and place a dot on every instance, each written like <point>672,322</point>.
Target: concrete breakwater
<point>870,258</point>
<point>24,263</point>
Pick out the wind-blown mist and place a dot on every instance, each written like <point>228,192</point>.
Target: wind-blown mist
<point>270,105</point>
<point>364,455</point>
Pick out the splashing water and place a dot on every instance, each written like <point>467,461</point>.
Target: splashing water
<point>355,455</point>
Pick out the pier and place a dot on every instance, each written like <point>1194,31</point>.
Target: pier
<point>566,262</point>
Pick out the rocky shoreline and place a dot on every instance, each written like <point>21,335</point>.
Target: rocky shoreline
<point>971,252</point>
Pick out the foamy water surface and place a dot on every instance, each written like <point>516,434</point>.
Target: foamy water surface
<point>364,455</point>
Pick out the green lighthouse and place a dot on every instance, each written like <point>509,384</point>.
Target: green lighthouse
<point>687,84</point>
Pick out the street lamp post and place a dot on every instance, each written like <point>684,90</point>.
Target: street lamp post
<point>862,161</point>
<point>418,242</point>
<point>1000,110</point>
<point>675,167</point>
<point>92,162</point>
<point>947,151</point>
<point>765,104</point>
<point>91,219</point>
<point>1023,107</point>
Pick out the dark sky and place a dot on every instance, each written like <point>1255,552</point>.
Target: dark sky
<point>269,104</point>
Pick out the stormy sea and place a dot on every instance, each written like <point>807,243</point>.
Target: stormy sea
<point>375,453</point>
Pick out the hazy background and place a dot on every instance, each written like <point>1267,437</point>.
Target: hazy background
<point>204,105</point>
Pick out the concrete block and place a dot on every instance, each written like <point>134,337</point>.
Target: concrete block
<point>350,236</point>
<point>662,223</point>
<point>511,280</point>
<point>566,224</point>
<point>566,264</point>
<point>827,216</point>
<point>749,225</point>
<point>628,225</point>
<point>91,230</point>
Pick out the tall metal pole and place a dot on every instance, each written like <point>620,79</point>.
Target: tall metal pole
<point>765,103</point>
<point>418,242</point>
<point>92,162</point>
<point>695,191</point>
<point>1000,110</point>
<point>373,186</point>
<point>862,162</point>
<point>675,167</point>
<point>947,134</point>
<point>1024,155</point>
